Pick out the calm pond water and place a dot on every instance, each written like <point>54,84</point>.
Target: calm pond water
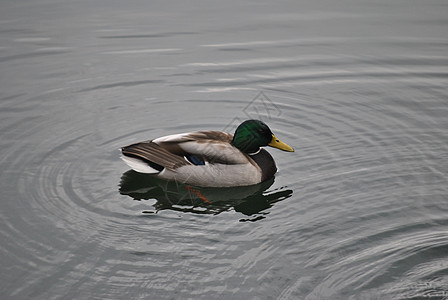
<point>358,88</point>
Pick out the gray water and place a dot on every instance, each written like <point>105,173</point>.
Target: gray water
<point>358,88</point>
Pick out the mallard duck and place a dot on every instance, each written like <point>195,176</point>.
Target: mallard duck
<point>209,158</point>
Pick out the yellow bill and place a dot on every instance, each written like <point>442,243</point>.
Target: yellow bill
<point>276,143</point>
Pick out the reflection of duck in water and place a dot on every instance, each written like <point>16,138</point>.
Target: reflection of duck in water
<point>209,158</point>
<point>248,200</point>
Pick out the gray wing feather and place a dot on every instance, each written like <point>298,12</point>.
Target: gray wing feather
<point>149,151</point>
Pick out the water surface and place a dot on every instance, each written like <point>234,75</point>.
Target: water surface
<point>359,89</point>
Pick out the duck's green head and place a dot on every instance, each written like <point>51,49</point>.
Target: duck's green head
<point>253,134</point>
